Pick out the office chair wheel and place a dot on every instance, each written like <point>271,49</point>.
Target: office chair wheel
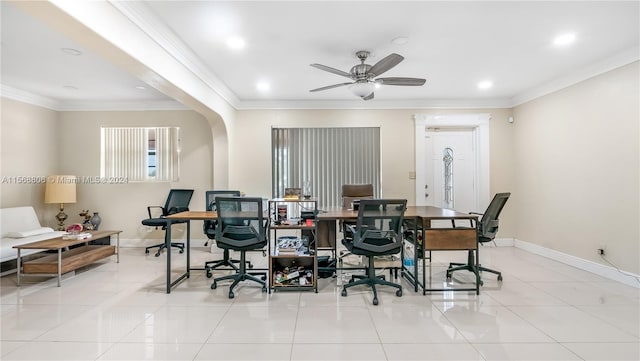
<point>264,288</point>
<point>481,283</point>
<point>500,278</point>
<point>344,293</point>
<point>264,278</point>
<point>214,285</point>
<point>209,273</point>
<point>250,265</point>
<point>181,250</point>
<point>146,251</point>
<point>399,293</point>
<point>375,301</point>
<point>157,254</point>
<point>231,294</point>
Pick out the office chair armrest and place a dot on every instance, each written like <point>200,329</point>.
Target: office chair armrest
<point>149,210</point>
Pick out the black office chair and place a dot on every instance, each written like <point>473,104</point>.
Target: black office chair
<point>377,233</point>
<point>351,196</point>
<point>487,229</point>
<point>241,227</point>
<point>177,201</point>
<point>209,229</point>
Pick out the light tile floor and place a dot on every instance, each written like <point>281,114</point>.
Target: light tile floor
<point>543,310</point>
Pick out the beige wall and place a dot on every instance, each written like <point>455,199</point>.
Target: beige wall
<point>29,144</point>
<point>124,206</point>
<point>576,176</point>
<point>250,148</point>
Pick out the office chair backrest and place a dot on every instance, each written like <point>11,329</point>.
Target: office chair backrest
<point>177,201</point>
<point>241,221</point>
<point>355,192</point>
<point>209,227</point>
<point>488,225</point>
<point>378,226</point>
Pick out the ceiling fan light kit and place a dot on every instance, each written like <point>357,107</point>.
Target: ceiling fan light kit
<point>363,75</point>
<point>362,89</point>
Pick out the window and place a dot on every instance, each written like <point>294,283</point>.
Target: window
<point>140,154</point>
<point>325,159</point>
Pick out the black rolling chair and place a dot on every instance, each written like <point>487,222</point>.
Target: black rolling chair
<point>487,229</point>
<point>177,201</point>
<point>377,233</point>
<point>241,227</point>
<point>351,196</point>
<point>209,229</point>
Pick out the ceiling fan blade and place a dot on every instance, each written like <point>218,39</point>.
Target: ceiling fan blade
<point>329,87</point>
<point>401,81</point>
<point>331,70</point>
<point>368,97</point>
<point>385,64</point>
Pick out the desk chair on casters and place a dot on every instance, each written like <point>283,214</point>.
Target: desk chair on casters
<point>377,233</point>
<point>241,227</point>
<point>209,229</point>
<point>352,193</point>
<point>177,201</point>
<point>487,229</point>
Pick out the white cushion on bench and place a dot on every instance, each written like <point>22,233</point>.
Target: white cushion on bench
<point>29,233</point>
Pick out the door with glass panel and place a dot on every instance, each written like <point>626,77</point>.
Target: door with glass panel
<point>451,168</point>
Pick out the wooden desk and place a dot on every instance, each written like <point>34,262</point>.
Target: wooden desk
<point>67,261</point>
<point>421,215</point>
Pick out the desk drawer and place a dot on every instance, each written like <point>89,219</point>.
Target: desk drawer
<point>451,239</point>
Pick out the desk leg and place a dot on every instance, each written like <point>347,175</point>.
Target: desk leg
<point>19,266</point>
<point>59,265</point>
<point>117,247</point>
<point>167,243</point>
<point>188,247</point>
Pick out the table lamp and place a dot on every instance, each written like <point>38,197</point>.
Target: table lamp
<point>60,189</point>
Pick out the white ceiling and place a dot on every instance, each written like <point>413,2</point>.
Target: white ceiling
<point>454,45</point>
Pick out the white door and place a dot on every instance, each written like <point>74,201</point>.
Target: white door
<point>467,136</point>
<point>450,169</point>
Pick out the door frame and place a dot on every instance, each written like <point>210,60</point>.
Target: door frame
<point>479,123</point>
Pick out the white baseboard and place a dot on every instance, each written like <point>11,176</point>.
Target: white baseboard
<point>606,271</point>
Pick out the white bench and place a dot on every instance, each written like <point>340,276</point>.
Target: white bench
<point>20,225</point>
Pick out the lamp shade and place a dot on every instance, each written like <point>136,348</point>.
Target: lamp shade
<point>60,189</point>
<point>362,88</point>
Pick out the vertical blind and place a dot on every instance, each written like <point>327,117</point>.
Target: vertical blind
<point>125,153</point>
<point>326,158</point>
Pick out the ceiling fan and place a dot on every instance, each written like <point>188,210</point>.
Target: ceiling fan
<point>364,75</point>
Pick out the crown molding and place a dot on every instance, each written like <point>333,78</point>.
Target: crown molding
<point>27,97</point>
<point>489,103</point>
<point>140,15</point>
<point>119,105</point>
<point>617,60</point>
<point>88,105</point>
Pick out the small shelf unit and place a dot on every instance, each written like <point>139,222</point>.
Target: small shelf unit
<point>295,269</point>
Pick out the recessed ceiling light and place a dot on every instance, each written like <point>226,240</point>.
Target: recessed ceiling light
<point>485,84</point>
<point>140,87</point>
<point>564,39</point>
<point>70,51</point>
<point>400,40</point>
<point>70,87</point>
<point>263,86</point>
<point>235,42</point>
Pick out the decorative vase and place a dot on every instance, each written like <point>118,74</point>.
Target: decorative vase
<point>96,220</point>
